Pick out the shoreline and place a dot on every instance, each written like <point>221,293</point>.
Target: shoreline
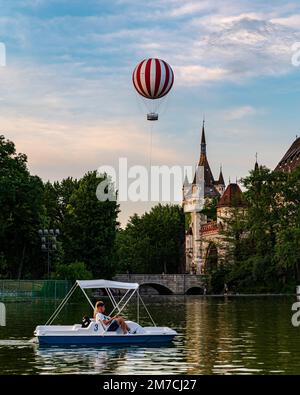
<point>258,295</point>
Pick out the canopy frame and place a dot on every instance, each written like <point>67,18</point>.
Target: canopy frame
<point>131,289</point>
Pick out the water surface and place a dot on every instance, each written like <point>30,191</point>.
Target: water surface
<point>218,335</point>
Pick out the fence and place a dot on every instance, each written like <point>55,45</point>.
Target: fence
<point>33,289</point>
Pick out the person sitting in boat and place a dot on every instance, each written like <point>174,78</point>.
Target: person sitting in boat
<point>111,323</point>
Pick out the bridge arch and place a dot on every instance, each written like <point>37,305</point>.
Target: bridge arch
<point>161,289</point>
<point>195,291</point>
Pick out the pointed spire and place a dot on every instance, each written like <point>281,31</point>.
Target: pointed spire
<point>203,170</point>
<point>256,163</point>
<point>203,140</point>
<point>221,178</point>
<point>186,180</point>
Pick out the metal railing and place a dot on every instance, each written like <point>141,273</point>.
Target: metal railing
<point>33,289</point>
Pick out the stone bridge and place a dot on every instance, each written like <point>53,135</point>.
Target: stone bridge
<point>166,284</point>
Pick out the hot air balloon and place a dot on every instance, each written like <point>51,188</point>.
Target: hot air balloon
<point>153,79</point>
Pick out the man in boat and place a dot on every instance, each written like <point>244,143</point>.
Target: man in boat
<point>113,323</point>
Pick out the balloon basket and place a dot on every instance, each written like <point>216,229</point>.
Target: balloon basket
<point>152,116</point>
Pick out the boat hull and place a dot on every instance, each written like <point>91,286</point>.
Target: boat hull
<point>105,340</point>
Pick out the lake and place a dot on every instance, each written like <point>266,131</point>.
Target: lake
<point>218,335</point>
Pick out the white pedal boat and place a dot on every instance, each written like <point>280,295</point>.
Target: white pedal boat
<point>96,333</point>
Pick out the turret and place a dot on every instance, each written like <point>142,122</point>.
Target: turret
<point>231,198</point>
<point>220,184</point>
<point>203,170</point>
<point>186,187</point>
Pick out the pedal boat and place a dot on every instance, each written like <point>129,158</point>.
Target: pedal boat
<point>95,333</point>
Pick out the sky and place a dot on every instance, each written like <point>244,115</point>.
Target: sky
<point>68,102</point>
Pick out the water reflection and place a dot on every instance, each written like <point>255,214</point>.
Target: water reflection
<point>217,336</point>
<point>245,336</point>
<point>209,336</point>
<point>148,360</point>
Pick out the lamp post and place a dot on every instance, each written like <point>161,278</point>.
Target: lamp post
<point>48,240</point>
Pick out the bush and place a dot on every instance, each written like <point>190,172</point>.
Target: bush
<point>73,271</point>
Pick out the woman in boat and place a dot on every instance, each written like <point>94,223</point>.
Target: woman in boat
<point>113,323</point>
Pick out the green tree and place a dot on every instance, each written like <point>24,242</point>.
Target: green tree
<point>265,197</point>
<point>21,202</point>
<point>89,228</point>
<point>73,271</point>
<point>154,242</point>
<point>258,240</point>
<point>235,244</point>
<point>264,194</point>
<point>287,251</point>
<point>56,199</point>
<point>210,208</point>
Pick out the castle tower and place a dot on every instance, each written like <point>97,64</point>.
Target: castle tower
<point>209,182</point>
<point>202,187</point>
<point>220,184</point>
<point>291,159</point>
<point>231,198</point>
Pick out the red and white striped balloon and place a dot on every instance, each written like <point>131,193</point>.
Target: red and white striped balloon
<point>153,78</point>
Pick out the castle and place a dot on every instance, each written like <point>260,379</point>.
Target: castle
<point>204,239</point>
<point>291,159</point>
<point>203,249</point>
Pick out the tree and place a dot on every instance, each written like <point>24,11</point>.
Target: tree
<point>133,247</point>
<point>56,200</point>
<point>210,208</point>
<point>265,196</point>
<point>154,242</point>
<point>21,205</point>
<point>287,250</point>
<point>73,271</point>
<point>262,242</point>
<point>89,228</point>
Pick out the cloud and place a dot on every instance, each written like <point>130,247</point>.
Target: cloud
<point>67,98</point>
<point>189,8</point>
<point>58,149</point>
<point>239,113</point>
<point>227,42</point>
<point>291,21</point>
<point>248,47</point>
<point>193,74</point>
